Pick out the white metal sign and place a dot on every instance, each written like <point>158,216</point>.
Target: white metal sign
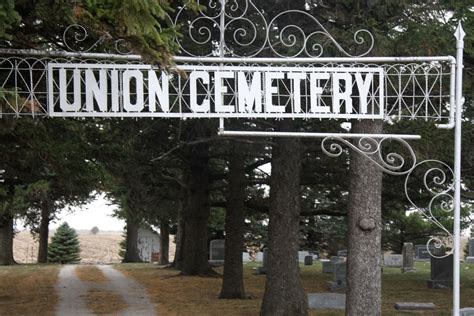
<point>93,90</point>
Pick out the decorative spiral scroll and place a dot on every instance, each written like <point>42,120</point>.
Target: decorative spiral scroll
<point>302,43</point>
<point>391,163</point>
<point>243,30</point>
<point>440,245</point>
<point>438,182</point>
<point>76,35</point>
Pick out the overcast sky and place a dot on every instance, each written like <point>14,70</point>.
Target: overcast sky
<point>97,213</point>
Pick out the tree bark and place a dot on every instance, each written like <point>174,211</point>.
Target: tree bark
<point>6,240</point>
<point>178,254</point>
<point>284,293</point>
<point>364,284</point>
<point>233,279</point>
<point>131,249</point>
<point>44,234</point>
<point>164,242</point>
<point>196,213</point>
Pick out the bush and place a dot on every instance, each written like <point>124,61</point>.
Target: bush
<point>64,247</point>
<point>94,230</point>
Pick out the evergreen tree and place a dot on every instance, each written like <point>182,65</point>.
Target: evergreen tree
<point>64,247</point>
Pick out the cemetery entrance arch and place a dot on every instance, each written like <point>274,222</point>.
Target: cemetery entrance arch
<point>236,62</point>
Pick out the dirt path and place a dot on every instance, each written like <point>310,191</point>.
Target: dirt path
<point>72,290</point>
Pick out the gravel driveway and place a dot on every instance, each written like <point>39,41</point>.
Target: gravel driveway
<point>71,291</point>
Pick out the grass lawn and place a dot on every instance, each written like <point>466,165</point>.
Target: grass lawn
<point>28,289</point>
<point>176,295</point>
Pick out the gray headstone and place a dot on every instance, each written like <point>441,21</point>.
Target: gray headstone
<point>217,250</point>
<point>441,272</point>
<point>340,272</point>
<point>265,257</point>
<point>327,301</point>
<point>422,253</point>
<point>262,269</point>
<point>408,254</point>
<point>308,260</point>
<point>327,266</point>
<point>393,260</point>
<point>302,255</point>
<point>467,311</point>
<point>471,247</point>
<point>411,306</point>
<point>342,253</point>
<point>315,254</point>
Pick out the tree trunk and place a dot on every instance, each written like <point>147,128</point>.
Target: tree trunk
<point>196,213</point>
<point>364,285</point>
<point>44,234</point>
<point>284,293</point>
<point>233,281</point>
<point>6,240</point>
<point>179,251</point>
<point>131,249</point>
<point>164,242</point>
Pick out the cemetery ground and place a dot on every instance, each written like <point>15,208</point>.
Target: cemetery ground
<point>30,289</point>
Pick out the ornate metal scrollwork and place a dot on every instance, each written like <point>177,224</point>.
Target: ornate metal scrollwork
<point>393,163</point>
<point>438,182</point>
<point>243,30</point>
<point>79,35</point>
<point>437,177</point>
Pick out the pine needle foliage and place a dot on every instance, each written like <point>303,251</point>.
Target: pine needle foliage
<point>64,247</point>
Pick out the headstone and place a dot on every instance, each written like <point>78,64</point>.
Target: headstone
<point>470,258</point>
<point>393,260</point>
<point>265,257</point>
<point>245,257</point>
<point>302,255</point>
<point>315,254</point>
<point>327,301</point>
<point>262,269</point>
<point>411,306</point>
<point>340,271</point>
<point>342,253</point>
<point>308,260</point>
<point>408,254</point>
<point>327,266</point>
<point>441,272</point>
<point>259,257</point>
<point>217,251</point>
<point>467,311</point>
<point>422,253</point>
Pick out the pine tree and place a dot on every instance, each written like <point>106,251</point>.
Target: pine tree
<point>64,247</point>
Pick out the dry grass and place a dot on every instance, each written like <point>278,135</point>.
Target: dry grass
<point>102,302</point>
<point>90,274</point>
<point>95,249</point>
<point>28,289</point>
<point>177,295</point>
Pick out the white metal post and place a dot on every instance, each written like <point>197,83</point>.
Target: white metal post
<point>221,51</point>
<point>459,34</point>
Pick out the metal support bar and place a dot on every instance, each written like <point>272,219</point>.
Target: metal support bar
<point>205,60</point>
<point>273,60</point>
<point>58,53</point>
<point>459,34</point>
<point>315,135</point>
